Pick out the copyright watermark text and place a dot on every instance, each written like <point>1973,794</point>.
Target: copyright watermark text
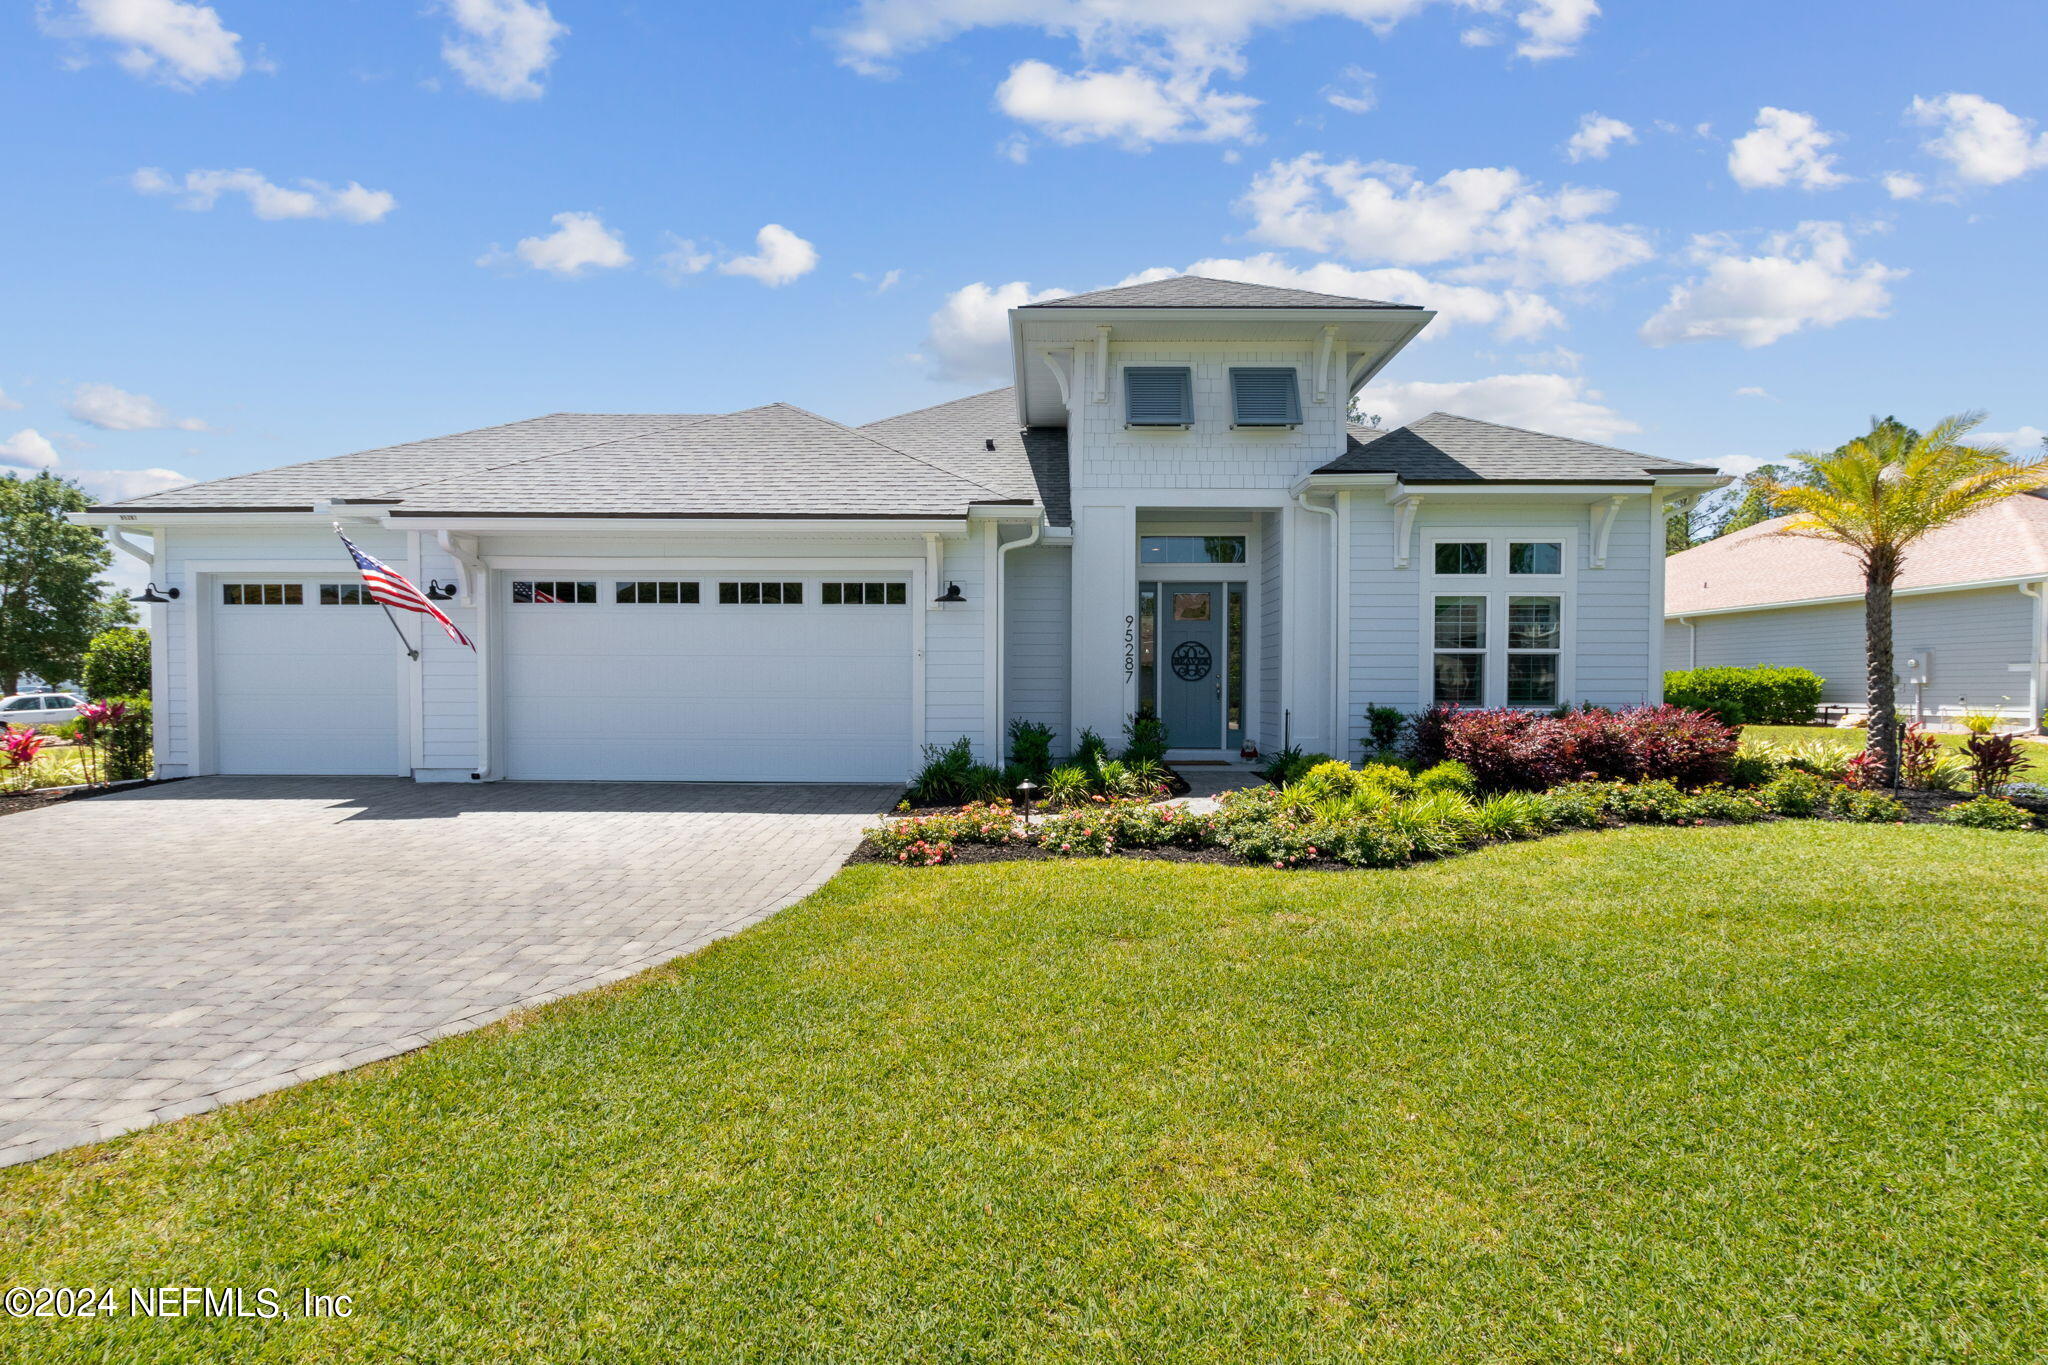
<point>172,1301</point>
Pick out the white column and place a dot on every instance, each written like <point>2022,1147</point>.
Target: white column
<point>1105,650</point>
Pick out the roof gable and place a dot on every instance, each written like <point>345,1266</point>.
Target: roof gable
<point>1199,291</point>
<point>1028,462</point>
<point>1443,448</point>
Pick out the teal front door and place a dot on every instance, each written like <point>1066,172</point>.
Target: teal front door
<point>1191,664</point>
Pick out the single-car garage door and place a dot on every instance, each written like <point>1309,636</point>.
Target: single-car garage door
<point>304,679</point>
<point>715,677</point>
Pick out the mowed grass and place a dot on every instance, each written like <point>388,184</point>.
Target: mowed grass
<point>1771,1093</point>
<point>2035,769</point>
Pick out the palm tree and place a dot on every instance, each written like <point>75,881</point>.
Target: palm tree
<point>1879,494</point>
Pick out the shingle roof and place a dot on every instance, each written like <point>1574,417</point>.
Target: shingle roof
<point>1198,291</point>
<point>772,461</point>
<point>377,473</point>
<point>1441,448</point>
<point>1027,462</point>
<point>1757,567</point>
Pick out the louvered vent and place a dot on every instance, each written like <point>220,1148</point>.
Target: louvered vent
<point>1158,396</point>
<point>1265,397</point>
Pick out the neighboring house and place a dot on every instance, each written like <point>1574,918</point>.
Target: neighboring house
<point>1166,512</point>
<point>1968,615</point>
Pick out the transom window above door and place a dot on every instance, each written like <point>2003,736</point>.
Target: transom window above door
<point>1535,557</point>
<point>656,592</point>
<point>864,594</point>
<point>262,594</point>
<point>1461,557</point>
<point>1191,549</point>
<point>759,594</point>
<point>554,592</point>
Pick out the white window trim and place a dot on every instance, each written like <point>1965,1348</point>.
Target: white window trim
<point>1497,585</point>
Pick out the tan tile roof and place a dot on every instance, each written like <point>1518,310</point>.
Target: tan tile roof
<point>1757,567</point>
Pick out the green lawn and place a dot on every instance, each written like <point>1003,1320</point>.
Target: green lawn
<point>2036,769</point>
<point>1770,1093</point>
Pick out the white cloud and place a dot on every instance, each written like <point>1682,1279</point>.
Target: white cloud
<point>579,242</point>
<point>1739,465</point>
<point>1596,137</point>
<point>1513,315</point>
<point>970,334</point>
<point>182,45</point>
<point>201,190</point>
<point>1786,147</point>
<point>1985,143</point>
<point>781,256</point>
<point>118,485</point>
<point>1130,106</point>
<point>1479,37</point>
<point>682,259</point>
<point>502,47</point>
<point>1503,226</point>
<point>8,404</point>
<point>2025,441</point>
<point>1552,28</point>
<point>1808,277</point>
<point>889,280</point>
<point>1904,185</point>
<point>1556,403</point>
<point>28,449</point>
<point>1356,95</point>
<point>112,409</point>
<point>1752,391</point>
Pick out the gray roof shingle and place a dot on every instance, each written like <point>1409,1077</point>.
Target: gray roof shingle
<point>772,461</point>
<point>1027,462</point>
<point>1441,448</point>
<point>1199,291</point>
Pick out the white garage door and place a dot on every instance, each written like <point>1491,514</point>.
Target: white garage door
<point>305,679</point>
<point>706,677</point>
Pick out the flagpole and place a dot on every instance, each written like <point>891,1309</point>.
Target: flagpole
<point>404,643</point>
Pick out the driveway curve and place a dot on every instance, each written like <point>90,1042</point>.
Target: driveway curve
<point>186,946</point>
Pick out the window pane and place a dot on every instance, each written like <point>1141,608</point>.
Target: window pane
<point>1460,679</point>
<point>1461,556</point>
<point>831,593</point>
<point>231,594</point>
<point>330,594</point>
<point>1535,556</point>
<point>522,592</point>
<point>1461,623</point>
<point>792,593</point>
<point>1191,606</point>
<point>750,594</point>
<point>1534,623</point>
<point>586,592</point>
<point>1234,644</point>
<point>898,594</point>
<point>1532,680</point>
<point>1148,618</point>
<point>294,595</point>
<point>875,594</point>
<point>1191,549</point>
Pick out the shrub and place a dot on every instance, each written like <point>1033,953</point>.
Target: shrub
<point>1427,734</point>
<point>1870,807</point>
<point>1988,812</point>
<point>1149,777</point>
<point>1031,748</point>
<point>1510,750</point>
<point>1863,771</point>
<point>1764,695</point>
<point>1384,725</point>
<point>1993,760</point>
<point>1067,785</point>
<point>1975,721</point>
<point>117,663</point>
<point>1818,757</point>
<point>1090,748</point>
<point>1580,805</point>
<point>943,780</point>
<point>1753,767</point>
<point>1325,781</point>
<point>1291,764</point>
<point>1279,763</point>
<point>1446,776</point>
<point>1794,793</point>
<point>128,741</point>
<point>979,822</point>
<point>1514,815</point>
<point>1144,738</point>
<point>1082,833</point>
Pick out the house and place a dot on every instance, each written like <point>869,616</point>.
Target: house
<point>1969,629</point>
<point>1166,511</point>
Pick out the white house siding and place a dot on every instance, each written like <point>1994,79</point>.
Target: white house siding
<point>1271,632</point>
<point>1977,637</point>
<point>1612,613</point>
<point>1038,585</point>
<point>957,645</point>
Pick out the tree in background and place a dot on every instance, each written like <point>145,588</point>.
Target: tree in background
<point>1877,496</point>
<point>1750,501</point>
<point>49,579</point>
<point>113,609</point>
<point>117,663</point>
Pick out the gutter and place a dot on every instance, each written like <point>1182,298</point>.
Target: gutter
<point>1000,603</point>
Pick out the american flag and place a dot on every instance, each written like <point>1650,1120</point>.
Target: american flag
<point>392,589</point>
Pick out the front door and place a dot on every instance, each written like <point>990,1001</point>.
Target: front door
<point>1191,664</point>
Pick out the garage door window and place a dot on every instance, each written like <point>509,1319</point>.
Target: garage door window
<point>345,595</point>
<point>761,594</point>
<point>262,595</point>
<point>553,592</point>
<point>864,594</point>
<point>657,592</point>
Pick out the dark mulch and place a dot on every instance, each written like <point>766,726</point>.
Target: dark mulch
<point>38,800</point>
<point>1027,853</point>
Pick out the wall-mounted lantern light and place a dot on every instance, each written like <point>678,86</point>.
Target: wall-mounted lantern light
<point>952,594</point>
<point>150,594</point>
<point>438,591</point>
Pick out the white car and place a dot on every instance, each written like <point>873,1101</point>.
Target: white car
<point>39,708</point>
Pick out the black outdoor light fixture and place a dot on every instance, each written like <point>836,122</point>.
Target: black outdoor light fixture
<point>437,591</point>
<point>1026,790</point>
<point>150,594</point>
<point>951,594</point>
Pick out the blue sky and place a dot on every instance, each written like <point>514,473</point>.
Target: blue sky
<point>248,234</point>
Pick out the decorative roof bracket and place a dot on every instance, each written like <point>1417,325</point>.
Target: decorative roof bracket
<point>1408,505</point>
<point>1604,513</point>
<point>1323,363</point>
<point>1101,375</point>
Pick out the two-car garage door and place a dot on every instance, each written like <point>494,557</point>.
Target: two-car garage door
<point>750,677</point>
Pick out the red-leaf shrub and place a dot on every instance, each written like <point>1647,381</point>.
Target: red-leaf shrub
<point>1510,750</point>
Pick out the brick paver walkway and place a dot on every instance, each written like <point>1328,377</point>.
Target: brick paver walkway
<point>172,949</point>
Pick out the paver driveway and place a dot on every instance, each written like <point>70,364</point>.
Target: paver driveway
<point>184,946</point>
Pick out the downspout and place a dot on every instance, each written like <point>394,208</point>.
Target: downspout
<point>1001,600</point>
<point>1336,659</point>
<point>132,548</point>
<point>2040,633</point>
<point>474,570</point>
